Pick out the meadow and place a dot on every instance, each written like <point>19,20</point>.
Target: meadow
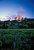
<point>18,39</point>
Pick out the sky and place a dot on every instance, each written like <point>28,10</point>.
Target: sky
<point>24,8</point>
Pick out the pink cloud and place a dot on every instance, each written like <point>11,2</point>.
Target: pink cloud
<point>21,11</point>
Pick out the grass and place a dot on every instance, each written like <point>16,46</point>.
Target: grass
<point>8,35</point>
<point>22,32</point>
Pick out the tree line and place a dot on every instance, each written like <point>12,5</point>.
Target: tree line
<point>14,24</point>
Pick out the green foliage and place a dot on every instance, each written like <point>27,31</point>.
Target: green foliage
<point>20,37</point>
<point>17,24</point>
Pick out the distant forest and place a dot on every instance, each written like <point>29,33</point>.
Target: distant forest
<point>14,24</point>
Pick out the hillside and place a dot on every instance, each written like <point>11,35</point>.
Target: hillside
<point>14,24</point>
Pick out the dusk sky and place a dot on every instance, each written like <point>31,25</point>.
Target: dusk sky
<point>16,7</point>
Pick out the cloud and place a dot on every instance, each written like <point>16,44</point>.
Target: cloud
<point>21,11</point>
